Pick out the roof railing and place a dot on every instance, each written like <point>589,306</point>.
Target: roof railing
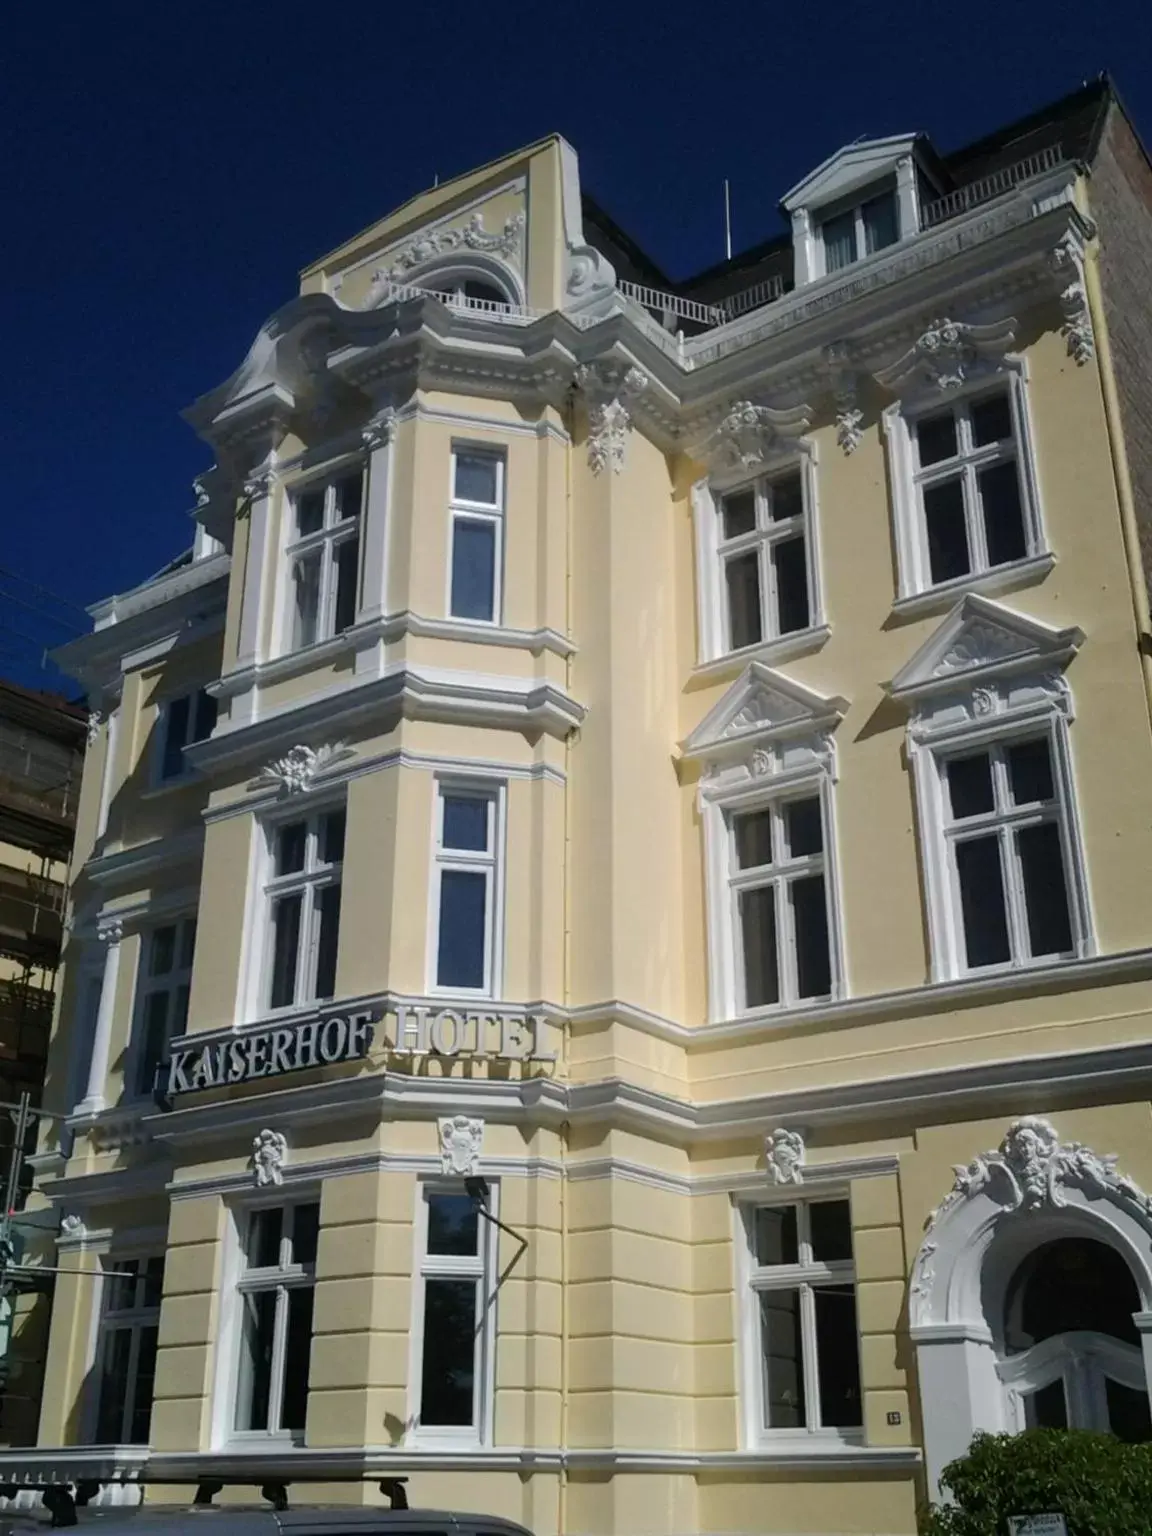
<point>667,306</point>
<point>764,292</point>
<point>987,187</point>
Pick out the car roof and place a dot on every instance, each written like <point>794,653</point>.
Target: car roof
<point>245,1520</point>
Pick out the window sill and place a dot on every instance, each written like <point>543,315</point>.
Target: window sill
<point>1002,578</point>
<point>803,643</point>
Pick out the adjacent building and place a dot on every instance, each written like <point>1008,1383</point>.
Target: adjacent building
<point>611,956</point>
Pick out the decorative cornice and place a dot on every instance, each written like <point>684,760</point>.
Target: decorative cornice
<point>750,433</point>
<point>606,386</point>
<point>297,771</point>
<point>948,352</point>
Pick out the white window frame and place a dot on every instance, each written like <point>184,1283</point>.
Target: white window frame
<point>147,985</point>
<point>461,509</point>
<point>1081,1360</point>
<point>1042,712</point>
<point>491,863</point>
<point>135,1318</point>
<point>484,1269</point>
<point>268,887</point>
<point>725,958</point>
<point>236,1281</point>
<point>898,420</point>
<point>854,204</point>
<point>161,780</point>
<point>711,588</point>
<point>327,537</point>
<point>751,1280</point>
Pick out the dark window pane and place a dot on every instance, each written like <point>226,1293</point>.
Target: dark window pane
<point>1047,1408</point>
<point>880,226</point>
<point>305,1232</point>
<point>1003,519</point>
<point>332,829</point>
<point>758,933</point>
<point>1128,1416</point>
<point>781,1342</point>
<point>488,293</point>
<point>162,956</point>
<point>449,1352</point>
<point>1030,771</point>
<point>297,1356</point>
<point>328,905</point>
<point>264,1230</point>
<point>1071,1285</point>
<point>306,610</point>
<point>970,785</point>
<point>785,498</point>
<point>347,554</point>
<point>791,585</point>
<point>473,569</point>
<point>453,1225</point>
<point>114,1386</point>
<point>187,943</point>
<point>466,822</point>
<point>936,438</point>
<point>140,1417</point>
<point>120,1289</point>
<point>460,954</point>
<point>152,1286</point>
<point>805,826</point>
<point>947,535</point>
<point>991,420</point>
<point>837,1357</point>
<point>154,1040</point>
<point>476,478</point>
<point>205,718</point>
<point>745,622</point>
<point>180,1009</point>
<point>839,236</point>
<point>982,901</point>
<point>1045,892</point>
<point>830,1226</point>
<point>810,921</point>
<point>739,513</point>
<point>753,833</point>
<point>348,493</point>
<point>255,1377</point>
<point>175,735</point>
<point>776,1235</point>
<point>285,948</point>
<point>309,512</point>
<point>291,842</point>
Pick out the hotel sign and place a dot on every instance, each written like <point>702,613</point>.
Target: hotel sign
<point>330,1038</point>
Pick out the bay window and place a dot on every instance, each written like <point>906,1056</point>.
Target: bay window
<point>323,558</point>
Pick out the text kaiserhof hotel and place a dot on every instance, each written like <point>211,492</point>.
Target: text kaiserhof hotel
<point>610,968</point>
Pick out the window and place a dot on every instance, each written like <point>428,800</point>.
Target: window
<point>477,518</point>
<point>800,1309</point>
<point>763,550</point>
<point>454,1328</point>
<point>779,897</point>
<point>276,1288</point>
<point>303,902</point>
<point>1008,852</point>
<point>162,995</point>
<point>968,490</point>
<point>183,721</point>
<point>465,894</point>
<point>129,1328</point>
<point>323,559</point>
<point>858,232</point>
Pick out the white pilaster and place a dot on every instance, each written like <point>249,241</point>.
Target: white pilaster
<point>110,935</point>
<point>803,247</point>
<point>250,644</point>
<point>907,197</point>
<point>378,438</point>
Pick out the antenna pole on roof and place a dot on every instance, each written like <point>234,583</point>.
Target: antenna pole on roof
<point>727,222</point>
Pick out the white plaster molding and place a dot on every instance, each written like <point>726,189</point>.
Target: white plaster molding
<point>760,707</point>
<point>269,1150</point>
<point>296,772</point>
<point>947,353</point>
<point>461,1138</point>
<point>96,718</point>
<point>845,378</point>
<point>607,385</point>
<point>784,1150</point>
<point>72,1228</point>
<point>433,244</point>
<point>1067,261</point>
<point>749,434</point>
<point>110,930</point>
<point>380,431</point>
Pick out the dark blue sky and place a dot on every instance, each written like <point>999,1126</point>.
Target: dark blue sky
<point>170,165</point>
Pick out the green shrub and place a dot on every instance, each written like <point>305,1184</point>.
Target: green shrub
<point>1102,1486</point>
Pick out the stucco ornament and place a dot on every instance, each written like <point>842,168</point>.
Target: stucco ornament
<point>201,492</point>
<point>72,1226</point>
<point>96,719</point>
<point>979,643</point>
<point>607,387</point>
<point>1067,262</point>
<point>380,430</point>
<point>785,1153</point>
<point>838,360</point>
<point>461,1137</point>
<point>294,773</point>
<point>433,243</point>
<point>750,433</point>
<point>110,930</point>
<point>269,1149</point>
<point>947,353</point>
<point>1031,1169</point>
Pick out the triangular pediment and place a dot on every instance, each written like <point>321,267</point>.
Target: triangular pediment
<point>854,166</point>
<point>978,639</point>
<point>761,704</point>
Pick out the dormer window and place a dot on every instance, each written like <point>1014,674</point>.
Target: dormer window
<point>860,231</point>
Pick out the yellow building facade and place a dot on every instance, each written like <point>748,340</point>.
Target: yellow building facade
<point>611,962</point>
